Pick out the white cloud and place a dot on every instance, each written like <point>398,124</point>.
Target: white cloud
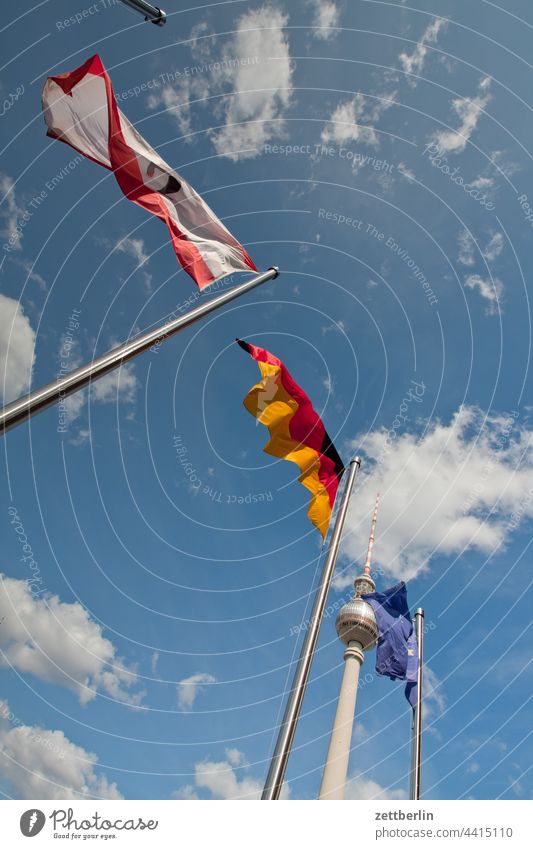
<point>73,406</point>
<point>494,247</point>
<point>118,385</point>
<point>28,267</point>
<point>235,757</point>
<point>505,166</point>
<point>406,172</point>
<point>11,213</point>
<point>191,687</point>
<point>221,780</point>
<point>359,787</point>
<point>482,182</point>
<point>491,290</point>
<point>136,249</point>
<point>336,327</point>
<point>190,91</point>
<point>179,98</point>
<point>261,91</point>
<point>59,643</point>
<point>17,342</point>
<point>467,249</point>
<point>413,63</point>
<point>450,490</point>
<point>489,253</point>
<point>329,385</point>
<point>43,764</point>
<point>326,15</point>
<point>186,792</point>
<point>253,75</point>
<point>82,437</point>
<point>201,40</point>
<point>469,110</point>
<point>434,700</point>
<point>354,120</point>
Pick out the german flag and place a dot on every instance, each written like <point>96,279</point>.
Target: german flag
<point>297,433</point>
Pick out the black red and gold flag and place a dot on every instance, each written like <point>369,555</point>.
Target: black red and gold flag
<point>297,433</point>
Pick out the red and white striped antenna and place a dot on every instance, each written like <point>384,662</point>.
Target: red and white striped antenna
<point>366,570</point>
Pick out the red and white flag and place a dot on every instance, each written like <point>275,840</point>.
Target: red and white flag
<point>80,109</point>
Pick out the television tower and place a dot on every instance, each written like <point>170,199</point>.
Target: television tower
<point>357,628</point>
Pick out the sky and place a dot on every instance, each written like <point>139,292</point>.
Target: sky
<point>156,566</point>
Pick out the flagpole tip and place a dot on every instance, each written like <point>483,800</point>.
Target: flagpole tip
<point>160,20</point>
<point>276,269</point>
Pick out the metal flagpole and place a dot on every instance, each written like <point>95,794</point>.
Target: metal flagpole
<point>151,13</point>
<point>278,764</point>
<point>27,406</point>
<point>416,744</point>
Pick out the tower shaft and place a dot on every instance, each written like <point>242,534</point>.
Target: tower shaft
<point>336,767</point>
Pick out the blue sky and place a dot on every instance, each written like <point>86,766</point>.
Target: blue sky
<point>377,153</point>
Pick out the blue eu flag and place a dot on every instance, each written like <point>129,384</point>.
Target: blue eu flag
<point>395,629</point>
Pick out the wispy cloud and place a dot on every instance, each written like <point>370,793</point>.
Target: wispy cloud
<point>133,247</point>
<point>136,249</point>
<point>335,327</point>
<point>253,71</point>
<point>355,119</point>
<point>17,349</point>
<point>11,212</point>
<point>434,699</point>
<point>468,110</point>
<point>413,63</point>
<point>490,289</point>
<point>326,14</point>
<point>222,781</point>
<point>190,688</point>
<point>467,248</point>
<point>360,787</point>
<point>117,386</point>
<point>261,93</point>
<point>494,247</point>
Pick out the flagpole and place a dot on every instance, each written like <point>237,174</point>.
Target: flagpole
<point>24,408</point>
<point>416,740</point>
<point>151,13</point>
<point>278,764</point>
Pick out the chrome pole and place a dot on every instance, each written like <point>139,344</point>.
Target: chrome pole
<point>278,764</point>
<point>24,408</point>
<point>151,13</point>
<point>416,742</point>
